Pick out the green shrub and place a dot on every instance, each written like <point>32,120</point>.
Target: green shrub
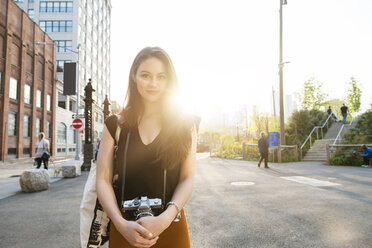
<point>228,148</point>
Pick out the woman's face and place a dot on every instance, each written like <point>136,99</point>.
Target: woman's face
<point>151,80</point>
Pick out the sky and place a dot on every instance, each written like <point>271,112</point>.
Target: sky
<point>226,53</point>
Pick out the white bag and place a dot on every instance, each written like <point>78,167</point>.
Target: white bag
<point>94,222</point>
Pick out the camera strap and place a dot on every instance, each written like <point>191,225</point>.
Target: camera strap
<point>124,167</point>
<point>165,184</point>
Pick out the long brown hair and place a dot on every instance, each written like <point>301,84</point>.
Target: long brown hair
<point>175,138</point>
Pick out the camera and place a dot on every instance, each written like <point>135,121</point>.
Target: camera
<point>141,207</point>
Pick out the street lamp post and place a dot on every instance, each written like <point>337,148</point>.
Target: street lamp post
<point>281,65</point>
<point>77,149</point>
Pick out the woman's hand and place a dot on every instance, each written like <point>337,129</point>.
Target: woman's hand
<point>156,225</point>
<point>136,234</point>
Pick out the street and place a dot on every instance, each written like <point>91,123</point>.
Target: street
<point>304,204</point>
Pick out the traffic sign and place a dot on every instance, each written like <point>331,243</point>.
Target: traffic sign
<point>80,116</point>
<point>77,123</point>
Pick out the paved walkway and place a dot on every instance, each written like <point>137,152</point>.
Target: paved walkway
<point>10,172</point>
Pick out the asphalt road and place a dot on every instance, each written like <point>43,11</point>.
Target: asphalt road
<point>280,209</point>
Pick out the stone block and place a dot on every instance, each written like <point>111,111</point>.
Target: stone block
<point>71,168</point>
<point>34,180</point>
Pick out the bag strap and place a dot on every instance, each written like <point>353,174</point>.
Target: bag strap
<point>124,168</point>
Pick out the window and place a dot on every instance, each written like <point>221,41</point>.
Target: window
<point>30,13</point>
<point>49,106</point>
<point>26,152</point>
<point>12,122</point>
<point>18,1</point>
<point>48,128</point>
<point>64,46</point>
<point>13,88</point>
<point>61,100</point>
<point>27,94</point>
<point>61,133</point>
<point>31,1</point>
<point>56,26</point>
<point>38,98</point>
<point>72,105</point>
<point>26,126</point>
<point>38,126</point>
<point>60,65</point>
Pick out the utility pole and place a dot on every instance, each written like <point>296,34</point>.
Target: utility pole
<point>281,65</point>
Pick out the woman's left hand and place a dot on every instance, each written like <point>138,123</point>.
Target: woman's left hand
<point>156,225</point>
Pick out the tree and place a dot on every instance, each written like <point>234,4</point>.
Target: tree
<point>312,96</point>
<point>354,95</point>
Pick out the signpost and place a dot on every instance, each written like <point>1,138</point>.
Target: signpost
<point>77,123</point>
<point>273,142</point>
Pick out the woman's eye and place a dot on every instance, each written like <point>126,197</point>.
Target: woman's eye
<point>162,77</point>
<point>145,76</point>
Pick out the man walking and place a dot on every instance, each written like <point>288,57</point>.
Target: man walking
<point>344,111</point>
<point>263,148</point>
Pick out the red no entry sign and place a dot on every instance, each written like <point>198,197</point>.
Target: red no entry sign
<point>77,123</point>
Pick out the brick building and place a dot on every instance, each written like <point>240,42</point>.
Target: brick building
<point>27,83</point>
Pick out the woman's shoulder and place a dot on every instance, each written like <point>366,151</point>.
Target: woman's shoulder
<point>111,123</point>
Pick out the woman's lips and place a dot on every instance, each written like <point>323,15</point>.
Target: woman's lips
<point>152,92</point>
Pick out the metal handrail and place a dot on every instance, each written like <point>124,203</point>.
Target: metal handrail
<point>317,133</point>
<point>342,128</point>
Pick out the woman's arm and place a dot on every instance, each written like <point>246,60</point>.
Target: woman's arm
<point>133,232</point>
<point>181,194</point>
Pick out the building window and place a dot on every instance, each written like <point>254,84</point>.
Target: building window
<point>48,128</point>
<point>31,1</point>
<point>18,1</point>
<point>26,152</point>
<point>38,98</point>
<point>60,64</point>
<point>56,26</point>
<point>49,106</point>
<point>27,94</point>
<point>13,87</point>
<point>64,46</point>
<point>62,133</point>
<point>12,123</point>
<point>72,106</point>
<point>30,13</point>
<point>12,152</point>
<point>26,126</point>
<point>56,6</point>
<point>38,126</point>
<point>61,100</point>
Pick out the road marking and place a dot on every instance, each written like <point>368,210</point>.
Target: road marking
<point>310,181</point>
<point>242,183</point>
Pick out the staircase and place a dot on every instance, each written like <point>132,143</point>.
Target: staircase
<point>317,152</point>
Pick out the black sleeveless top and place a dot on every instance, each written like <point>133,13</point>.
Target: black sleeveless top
<point>144,174</point>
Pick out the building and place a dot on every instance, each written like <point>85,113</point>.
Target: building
<point>27,83</point>
<point>70,23</point>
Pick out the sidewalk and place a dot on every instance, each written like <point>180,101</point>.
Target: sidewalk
<point>10,172</point>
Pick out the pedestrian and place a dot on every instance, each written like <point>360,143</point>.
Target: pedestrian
<point>42,151</point>
<point>367,155</point>
<point>98,142</point>
<point>329,111</point>
<point>160,157</point>
<point>263,148</point>
<point>344,111</point>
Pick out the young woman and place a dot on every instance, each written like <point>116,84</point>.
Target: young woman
<point>42,150</point>
<point>161,151</point>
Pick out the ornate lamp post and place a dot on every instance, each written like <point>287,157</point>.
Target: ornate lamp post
<point>89,126</point>
<point>106,110</point>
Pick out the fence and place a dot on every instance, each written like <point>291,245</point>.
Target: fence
<point>332,149</point>
<point>288,153</point>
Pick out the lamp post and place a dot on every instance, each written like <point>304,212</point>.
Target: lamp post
<point>281,65</point>
<point>77,149</point>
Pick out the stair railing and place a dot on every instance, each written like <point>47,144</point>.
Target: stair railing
<point>316,128</point>
<point>341,129</point>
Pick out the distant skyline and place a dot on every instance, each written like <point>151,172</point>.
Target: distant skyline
<point>226,53</point>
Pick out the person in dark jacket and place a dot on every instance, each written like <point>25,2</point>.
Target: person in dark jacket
<point>263,147</point>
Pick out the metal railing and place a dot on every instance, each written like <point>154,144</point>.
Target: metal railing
<point>338,137</point>
<point>332,148</point>
<point>294,149</point>
<point>316,128</point>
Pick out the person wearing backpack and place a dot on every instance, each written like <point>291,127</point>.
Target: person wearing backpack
<point>155,154</point>
<point>42,151</point>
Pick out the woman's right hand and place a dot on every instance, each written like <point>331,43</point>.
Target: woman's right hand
<point>136,234</point>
